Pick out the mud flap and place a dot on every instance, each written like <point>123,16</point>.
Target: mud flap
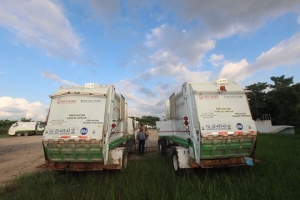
<point>183,157</point>
<point>115,158</point>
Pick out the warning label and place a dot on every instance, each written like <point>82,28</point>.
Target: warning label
<point>207,115</point>
<point>223,110</point>
<point>241,115</point>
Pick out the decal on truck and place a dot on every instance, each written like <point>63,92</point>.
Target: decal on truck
<point>179,106</point>
<point>61,101</point>
<point>201,96</point>
<point>241,115</point>
<point>233,96</point>
<point>91,101</point>
<point>58,122</point>
<point>93,121</point>
<point>76,116</point>
<point>208,115</point>
<point>223,110</point>
<point>239,126</point>
<point>217,127</point>
<point>83,131</point>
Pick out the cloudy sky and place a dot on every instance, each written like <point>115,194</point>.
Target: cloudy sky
<point>147,49</point>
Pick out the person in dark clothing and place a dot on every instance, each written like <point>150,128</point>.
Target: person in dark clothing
<point>141,137</point>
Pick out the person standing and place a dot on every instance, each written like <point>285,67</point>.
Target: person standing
<point>141,137</point>
<point>147,137</point>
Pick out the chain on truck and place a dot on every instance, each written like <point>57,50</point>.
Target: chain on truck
<point>87,129</point>
<point>208,125</point>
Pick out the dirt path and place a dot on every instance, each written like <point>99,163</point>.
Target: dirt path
<point>20,155</point>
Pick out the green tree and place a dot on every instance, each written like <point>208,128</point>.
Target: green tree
<point>257,98</point>
<point>150,120</point>
<point>283,100</point>
<point>23,119</point>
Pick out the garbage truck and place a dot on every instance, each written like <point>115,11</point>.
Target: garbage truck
<point>208,125</point>
<point>25,128</point>
<point>87,129</point>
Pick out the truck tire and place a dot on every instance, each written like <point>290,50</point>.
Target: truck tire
<point>26,134</point>
<point>19,134</point>
<point>175,164</point>
<point>125,159</point>
<point>162,146</point>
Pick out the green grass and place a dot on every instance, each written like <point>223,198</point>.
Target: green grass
<point>151,177</point>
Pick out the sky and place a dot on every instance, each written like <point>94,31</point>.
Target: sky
<point>146,49</point>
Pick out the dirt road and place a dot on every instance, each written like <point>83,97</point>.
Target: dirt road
<point>19,155</point>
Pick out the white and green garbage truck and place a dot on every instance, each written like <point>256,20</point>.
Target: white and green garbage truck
<point>25,128</point>
<point>87,129</point>
<point>208,125</point>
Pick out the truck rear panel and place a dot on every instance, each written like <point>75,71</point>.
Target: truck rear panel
<point>226,125</point>
<point>74,128</point>
<point>212,121</point>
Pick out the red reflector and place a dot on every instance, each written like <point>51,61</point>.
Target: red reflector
<point>65,136</point>
<point>222,87</point>
<point>83,136</point>
<point>238,132</point>
<point>185,118</point>
<point>222,133</point>
<point>186,123</point>
<point>113,125</point>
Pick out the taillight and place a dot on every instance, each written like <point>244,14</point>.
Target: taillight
<point>113,125</point>
<point>186,122</point>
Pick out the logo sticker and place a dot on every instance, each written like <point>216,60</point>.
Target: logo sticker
<point>239,126</point>
<point>62,101</point>
<point>83,131</point>
<point>91,101</point>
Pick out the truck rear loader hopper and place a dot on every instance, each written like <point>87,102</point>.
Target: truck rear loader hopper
<point>87,129</point>
<point>208,125</point>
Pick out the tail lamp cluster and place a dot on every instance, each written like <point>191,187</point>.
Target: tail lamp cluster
<point>114,125</point>
<point>186,122</point>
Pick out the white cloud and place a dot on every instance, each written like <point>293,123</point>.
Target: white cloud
<point>286,53</point>
<point>41,24</point>
<point>53,77</point>
<point>235,71</point>
<point>225,18</point>
<point>216,60</point>
<point>16,108</point>
<point>185,46</point>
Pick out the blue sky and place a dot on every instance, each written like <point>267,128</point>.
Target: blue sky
<point>147,49</point>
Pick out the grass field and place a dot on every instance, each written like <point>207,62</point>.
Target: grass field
<point>151,177</point>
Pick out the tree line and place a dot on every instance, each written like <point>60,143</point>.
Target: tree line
<point>7,123</point>
<point>281,100</point>
<point>147,120</point>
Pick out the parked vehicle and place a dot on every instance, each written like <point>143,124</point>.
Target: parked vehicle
<point>148,126</point>
<point>208,125</point>
<point>25,128</point>
<point>88,129</point>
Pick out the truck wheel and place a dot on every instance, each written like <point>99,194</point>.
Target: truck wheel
<point>19,134</point>
<point>175,163</point>
<point>26,134</point>
<point>125,159</point>
<point>162,147</point>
